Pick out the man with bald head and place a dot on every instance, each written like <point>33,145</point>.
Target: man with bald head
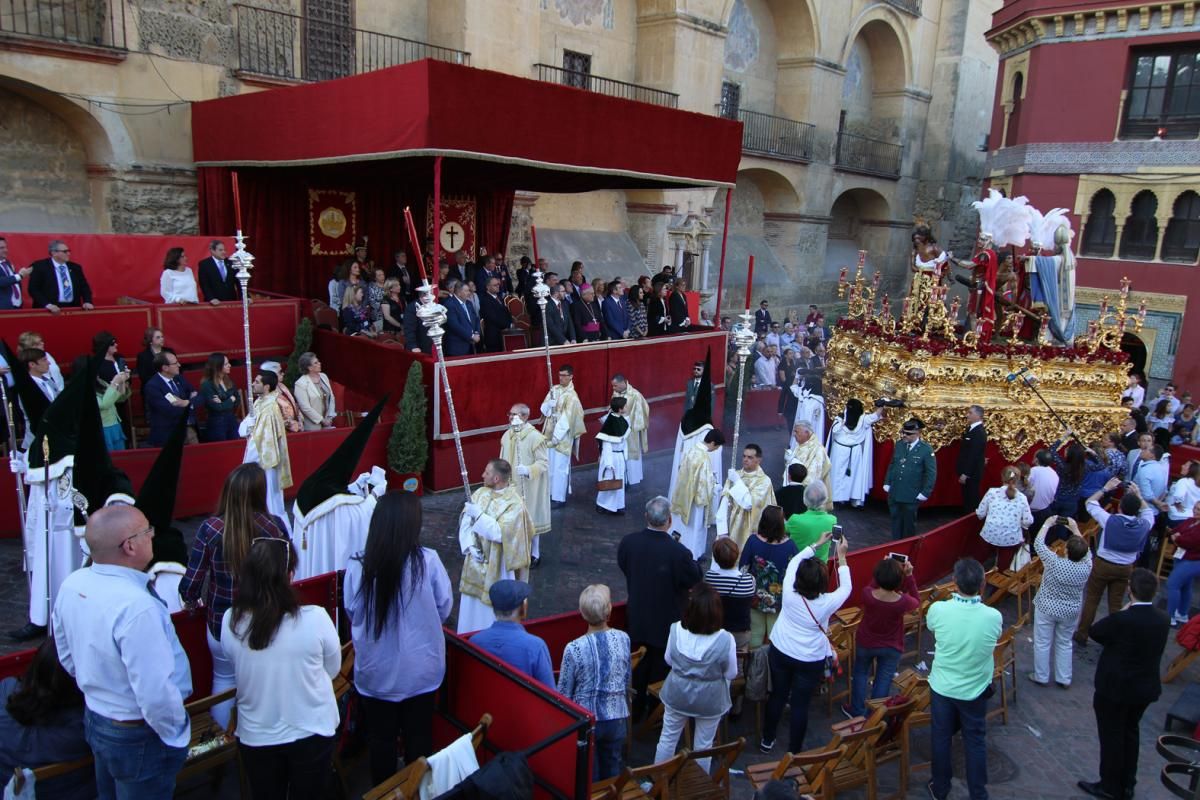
<point>115,637</point>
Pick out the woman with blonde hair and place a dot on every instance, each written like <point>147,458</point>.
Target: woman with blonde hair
<point>596,674</point>
<point>217,554</point>
<point>1005,514</point>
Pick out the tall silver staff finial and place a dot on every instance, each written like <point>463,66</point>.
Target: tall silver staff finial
<point>433,317</point>
<point>542,292</point>
<point>744,338</point>
<point>245,262</point>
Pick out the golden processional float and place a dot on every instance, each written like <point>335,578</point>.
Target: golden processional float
<point>1032,391</point>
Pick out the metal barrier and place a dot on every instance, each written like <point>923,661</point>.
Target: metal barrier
<point>612,87</point>
<point>95,23</point>
<point>776,137</point>
<point>870,156</point>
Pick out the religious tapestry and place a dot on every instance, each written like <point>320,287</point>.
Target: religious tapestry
<point>457,231</point>
<point>332,222</point>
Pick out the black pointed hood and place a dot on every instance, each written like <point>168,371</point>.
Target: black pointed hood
<point>333,476</point>
<point>156,498</point>
<point>33,402</point>
<point>700,413</point>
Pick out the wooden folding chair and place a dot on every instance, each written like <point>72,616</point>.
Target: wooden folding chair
<point>1179,664</point>
<point>857,766</point>
<point>914,621</point>
<point>1005,658</point>
<point>1166,559</point>
<point>693,783</point>
<point>635,658</point>
<point>404,785</point>
<point>654,718</point>
<point>342,684</point>
<point>841,636</point>
<point>893,744</point>
<point>49,772</point>
<point>628,784</point>
<point>811,771</point>
<point>212,745</point>
<point>737,691</point>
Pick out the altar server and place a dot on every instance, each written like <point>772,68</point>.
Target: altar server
<point>747,492</point>
<point>331,515</point>
<point>637,412</point>
<point>696,487</point>
<point>851,452</point>
<point>266,440</point>
<point>524,447</point>
<point>495,534</point>
<point>563,427</point>
<point>807,450</point>
<point>613,435</point>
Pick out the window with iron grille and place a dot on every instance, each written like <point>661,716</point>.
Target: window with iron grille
<point>1140,237</point>
<point>328,39</point>
<point>1014,116</point>
<point>1181,241</point>
<point>731,99</point>
<point>577,68</point>
<point>1164,95</point>
<point>1100,232</point>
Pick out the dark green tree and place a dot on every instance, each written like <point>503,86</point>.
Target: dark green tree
<point>408,447</point>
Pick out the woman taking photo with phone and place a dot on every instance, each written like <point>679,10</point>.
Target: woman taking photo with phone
<point>892,594</point>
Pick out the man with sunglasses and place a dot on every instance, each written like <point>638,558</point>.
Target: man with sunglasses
<point>116,639</point>
<point>910,479</point>
<point>57,282</point>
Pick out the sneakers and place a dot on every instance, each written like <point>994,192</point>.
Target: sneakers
<point>929,786</point>
<point>1178,619</point>
<point>765,746</point>
<point>1033,679</point>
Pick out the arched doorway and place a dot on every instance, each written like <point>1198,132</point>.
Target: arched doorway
<point>1136,348</point>
<point>857,222</point>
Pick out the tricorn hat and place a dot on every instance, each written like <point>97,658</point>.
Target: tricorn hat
<point>913,424</point>
<point>700,413</point>
<point>335,474</point>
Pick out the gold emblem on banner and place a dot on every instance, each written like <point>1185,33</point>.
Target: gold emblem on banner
<point>332,222</point>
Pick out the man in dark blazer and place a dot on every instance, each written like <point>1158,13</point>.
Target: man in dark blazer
<point>615,310</point>
<point>970,463</point>
<point>462,324</point>
<point>57,282</point>
<point>10,279</point>
<point>910,478</point>
<point>679,308</point>
<point>416,335</point>
<point>168,395</point>
<point>1129,435</point>
<point>762,319</point>
<point>1126,683</point>
<point>218,275</point>
<point>496,318</point>
<point>560,329</point>
<point>659,572</point>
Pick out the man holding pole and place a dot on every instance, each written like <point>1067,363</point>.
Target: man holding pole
<point>495,535</point>
<point>747,492</point>
<point>524,448</point>
<point>266,441</point>
<point>563,427</point>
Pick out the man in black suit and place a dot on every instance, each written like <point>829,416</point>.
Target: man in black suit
<point>462,324</point>
<point>218,275</point>
<point>791,497</point>
<point>169,396</point>
<point>485,271</point>
<point>559,327</point>
<point>659,572</point>
<point>1129,435</point>
<point>496,318</point>
<point>416,335</point>
<point>57,282</point>
<point>762,319</point>
<point>680,321</point>
<point>10,279</point>
<point>1126,683</point>
<point>971,458</point>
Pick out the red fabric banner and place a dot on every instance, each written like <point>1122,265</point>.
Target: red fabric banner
<point>332,222</point>
<point>456,230</point>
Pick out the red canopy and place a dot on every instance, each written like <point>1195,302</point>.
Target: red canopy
<point>430,108</point>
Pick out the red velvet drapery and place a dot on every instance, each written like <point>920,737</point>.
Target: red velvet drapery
<point>275,214</point>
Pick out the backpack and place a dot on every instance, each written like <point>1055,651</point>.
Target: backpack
<point>1189,635</point>
<point>758,675</point>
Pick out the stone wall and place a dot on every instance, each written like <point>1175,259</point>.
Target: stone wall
<point>161,201</point>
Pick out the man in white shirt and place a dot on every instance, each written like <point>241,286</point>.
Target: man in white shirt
<point>1044,480</point>
<point>115,638</point>
<point>766,368</point>
<point>1168,393</point>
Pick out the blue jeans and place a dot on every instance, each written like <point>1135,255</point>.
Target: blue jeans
<point>886,660</point>
<point>132,763</point>
<point>969,716</point>
<point>791,681</point>
<point>1179,586</point>
<point>610,742</point>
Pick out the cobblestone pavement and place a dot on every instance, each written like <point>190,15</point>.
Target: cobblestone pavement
<point>1047,745</point>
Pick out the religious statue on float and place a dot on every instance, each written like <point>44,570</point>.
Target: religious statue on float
<point>1052,277</point>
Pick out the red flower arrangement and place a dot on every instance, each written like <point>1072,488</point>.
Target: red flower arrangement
<point>937,346</point>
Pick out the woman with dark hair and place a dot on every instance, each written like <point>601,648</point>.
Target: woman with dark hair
<point>1160,421</point>
<point>217,555</point>
<point>41,722</point>
<point>703,660</point>
<point>637,312</point>
<point>658,316</point>
<point>109,362</point>
<point>284,658</point>
<point>220,398</point>
<point>879,641</point>
<point>801,655</point>
<point>178,282</point>
<point>765,557</point>
<point>397,595</point>
<point>152,344</point>
<point>1072,470</point>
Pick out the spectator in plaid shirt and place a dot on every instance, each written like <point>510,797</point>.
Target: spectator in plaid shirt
<point>217,553</point>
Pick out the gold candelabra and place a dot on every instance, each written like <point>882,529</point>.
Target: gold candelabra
<point>1108,330</point>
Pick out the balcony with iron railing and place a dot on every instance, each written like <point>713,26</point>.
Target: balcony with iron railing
<point>612,87</point>
<point>907,6</point>
<point>287,47</point>
<point>773,137</point>
<point>868,156</point>
<point>65,23</point>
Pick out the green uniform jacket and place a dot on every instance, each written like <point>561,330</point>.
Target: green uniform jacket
<point>913,471</point>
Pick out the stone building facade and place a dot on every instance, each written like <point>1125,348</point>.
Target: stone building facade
<point>859,115</point>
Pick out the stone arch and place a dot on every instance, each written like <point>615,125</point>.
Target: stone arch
<point>796,29</point>
<point>885,34</point>
<point>878,67</point>
<point>52,147</point>
<point>859,219</point>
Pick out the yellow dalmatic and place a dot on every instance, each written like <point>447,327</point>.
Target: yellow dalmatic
<point>270,438</point>
<point>564,418</point>
<point>527,448</point>
<point>503,533</point>
<point>813,456</point>
<point>694,487</point>
<point>753,490</point>
<point>637,411</point>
